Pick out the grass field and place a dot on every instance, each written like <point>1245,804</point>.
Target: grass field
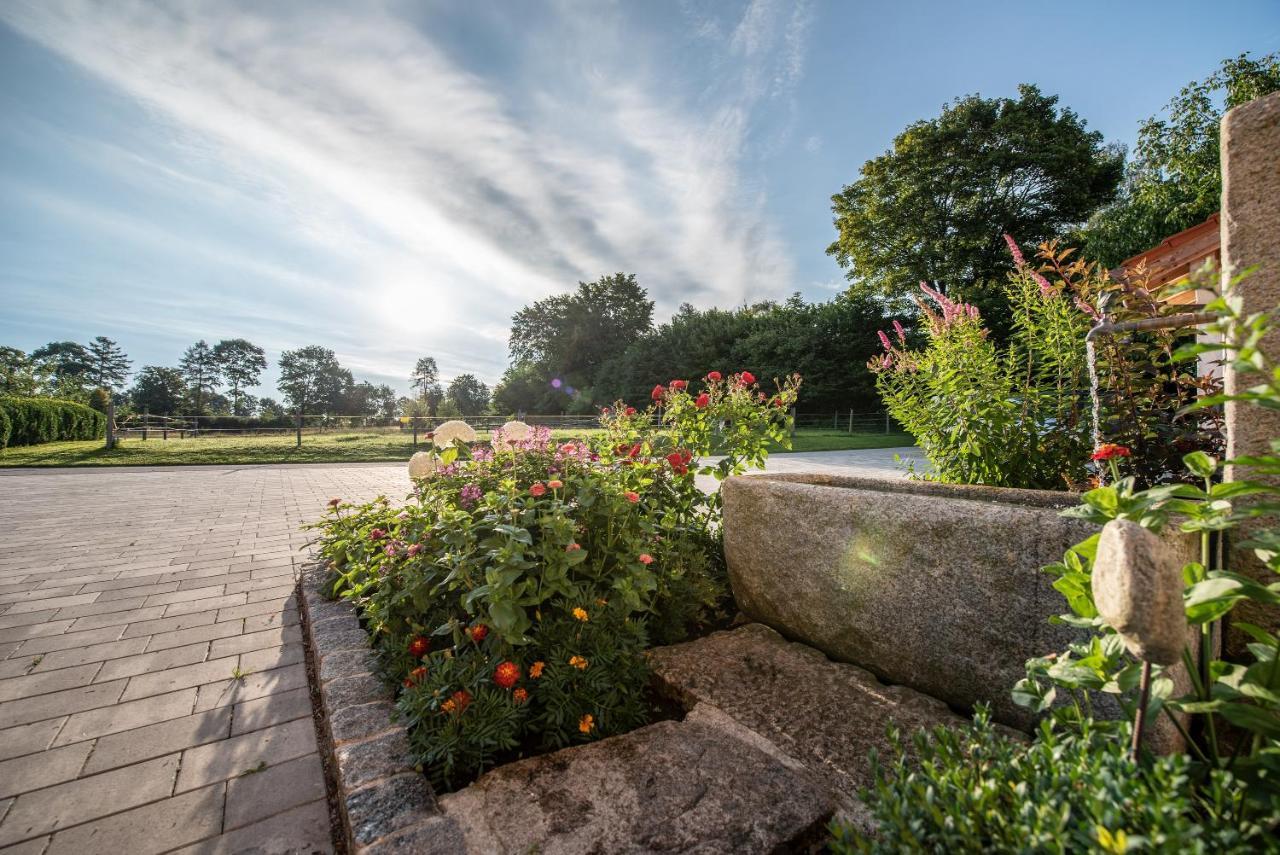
<point>318,448</point>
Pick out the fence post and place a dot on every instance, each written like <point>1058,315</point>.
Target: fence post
<point>851,421</point>
<point>413,420</point>
<point>886,421</point>
<point>299,427</point>
<point>111,424</point>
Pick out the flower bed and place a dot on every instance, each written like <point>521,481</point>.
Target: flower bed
<point>512,598</point>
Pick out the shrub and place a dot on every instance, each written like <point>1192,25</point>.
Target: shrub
<point>36,420</point>
<point>977,790</point>
<point>1020,415</point>
<point>512,600</point>
<point>5,428</point>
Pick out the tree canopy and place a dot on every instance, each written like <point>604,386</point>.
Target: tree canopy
<point>468,395</point>
<point>160,391</point>
<point>200,368</point>
<point>311,379</point>
<point>108,367</point>
<point>425,380</point>
<point>934,206</point>
<point>1174,179</point>
<point>240,363</point>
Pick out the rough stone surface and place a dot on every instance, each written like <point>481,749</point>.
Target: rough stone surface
<point>936,587</point>
<point>827,715</point>
<point>1137,587</point>
<point>360,763</point>
<point>1249,225</point>
<point>387,807</point>
<point>700,785</point>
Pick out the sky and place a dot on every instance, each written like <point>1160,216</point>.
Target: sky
<point>396,179</point>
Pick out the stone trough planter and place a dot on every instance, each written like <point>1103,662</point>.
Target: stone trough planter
<point>933,586</point>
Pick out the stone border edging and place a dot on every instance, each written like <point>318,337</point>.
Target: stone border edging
<point>385,803</point>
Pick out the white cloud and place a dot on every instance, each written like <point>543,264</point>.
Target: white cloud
<point>460,197</point>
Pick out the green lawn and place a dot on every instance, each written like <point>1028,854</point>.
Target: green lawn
<point>316,448</point>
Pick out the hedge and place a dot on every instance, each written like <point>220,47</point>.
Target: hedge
<point>31,421</point>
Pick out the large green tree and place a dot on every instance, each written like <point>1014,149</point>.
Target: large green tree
<point>108,365</point>
<point>65,364</point>
<point>18,373</point>
<point>425,380</point>
<point>569,337</point>
<point>159,391</point>
<point>240,363</point>
<point>200,367</point>
<point>934,206</point>
<point>468,394</point>
<point>311,379</point>
<point>1174,179</point>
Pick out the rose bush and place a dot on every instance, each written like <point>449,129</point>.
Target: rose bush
<point>512,598</point>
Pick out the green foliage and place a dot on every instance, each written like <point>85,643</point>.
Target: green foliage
<point>6,428</point>
<point>933,208</point>
<point>977,790</point>
<point>1174,180</point>
<point>1020,415</point>
<point>36,420</point>
<point>108,366</point>
<point>556,562</point>
<point>159,391</point>
<point>468,395</point>
<point>240,363</point>
<point>200,367</point>
<point>311,379</point>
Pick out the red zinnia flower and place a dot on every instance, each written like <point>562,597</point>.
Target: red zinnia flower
<point>678,384</point>
<point>632,497</point>
<point>631,411</point>
<point>746,378</point>
<point>656,394</point>
<point>713,376</point>
<point>1108,450</point>
<point>506,674</point>
<point>703,400</point>
<point>418,647</point>
<point>538,489</point>
<point>478,632</point>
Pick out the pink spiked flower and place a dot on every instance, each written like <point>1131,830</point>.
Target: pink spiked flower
<point>1014,251</point>
<point>902,334</point>
<point>884,340</point>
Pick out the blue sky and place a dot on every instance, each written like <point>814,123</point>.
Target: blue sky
<point>396,179</point>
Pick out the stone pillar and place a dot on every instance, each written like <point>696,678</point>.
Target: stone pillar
<point>1250,234</point>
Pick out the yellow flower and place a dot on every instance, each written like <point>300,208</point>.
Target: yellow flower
<point>578,662</point>
<point>448,706</point>
<point>587,723</point>
<point>581,614</point>
<point>535,670</point>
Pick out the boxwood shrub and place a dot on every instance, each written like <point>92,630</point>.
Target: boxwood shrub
<point>31,421</point>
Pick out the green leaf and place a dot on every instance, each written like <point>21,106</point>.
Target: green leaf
<point>1200,464</point>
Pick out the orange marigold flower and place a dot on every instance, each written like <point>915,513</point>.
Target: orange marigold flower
<point>578,662</point>
<point>520,696</point>
<point>477,632</point>
<point>535,670</point>
<point>587,723</point>
<point>580,613</point>
<point>506,674</point>
<point>415,676</point>
<point>419,646</point>
<point>458,701</point>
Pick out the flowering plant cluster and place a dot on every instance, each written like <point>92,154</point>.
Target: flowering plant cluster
<point>512,598</point>
<point>1020,414</point>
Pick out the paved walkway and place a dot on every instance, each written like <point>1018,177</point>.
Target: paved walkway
<point>153,695</point>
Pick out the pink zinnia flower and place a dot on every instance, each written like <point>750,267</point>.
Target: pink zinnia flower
<point>538,489</point>
<point>646,558</point>
<point>555,484</point>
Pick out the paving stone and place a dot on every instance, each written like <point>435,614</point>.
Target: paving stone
<point>239,754</point>
<point>34,630</point>
<point>272,709</point>
<point>68,640</point>
<point>46,810</point>
<point>253,686</point>
<point>126,716</point>
<point>257,623</point>
<point>23,710</point>
<point>160,660</point>
<point>154,740</point>
<point>181,637</point>
<point>44,682</point>
<point>153,828</point>
<point>35,846</point>
<point>43,769</point>
<point>303,829</point>
<point>254,641</point>
<point>172,679</point>
<point>26,738</point>
<point>93,653</point>
<point>272,657</point>
<point>274,790</point>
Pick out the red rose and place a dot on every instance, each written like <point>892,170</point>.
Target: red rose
<point>506,674</point>
<point>656,394</point>
<point>714,376</point>
<point>538,489</point>
<point>478,632</point>
<point>418,647</point>
<point>1108,450</point>
<point>678,384</point>
<point>703,401</point>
